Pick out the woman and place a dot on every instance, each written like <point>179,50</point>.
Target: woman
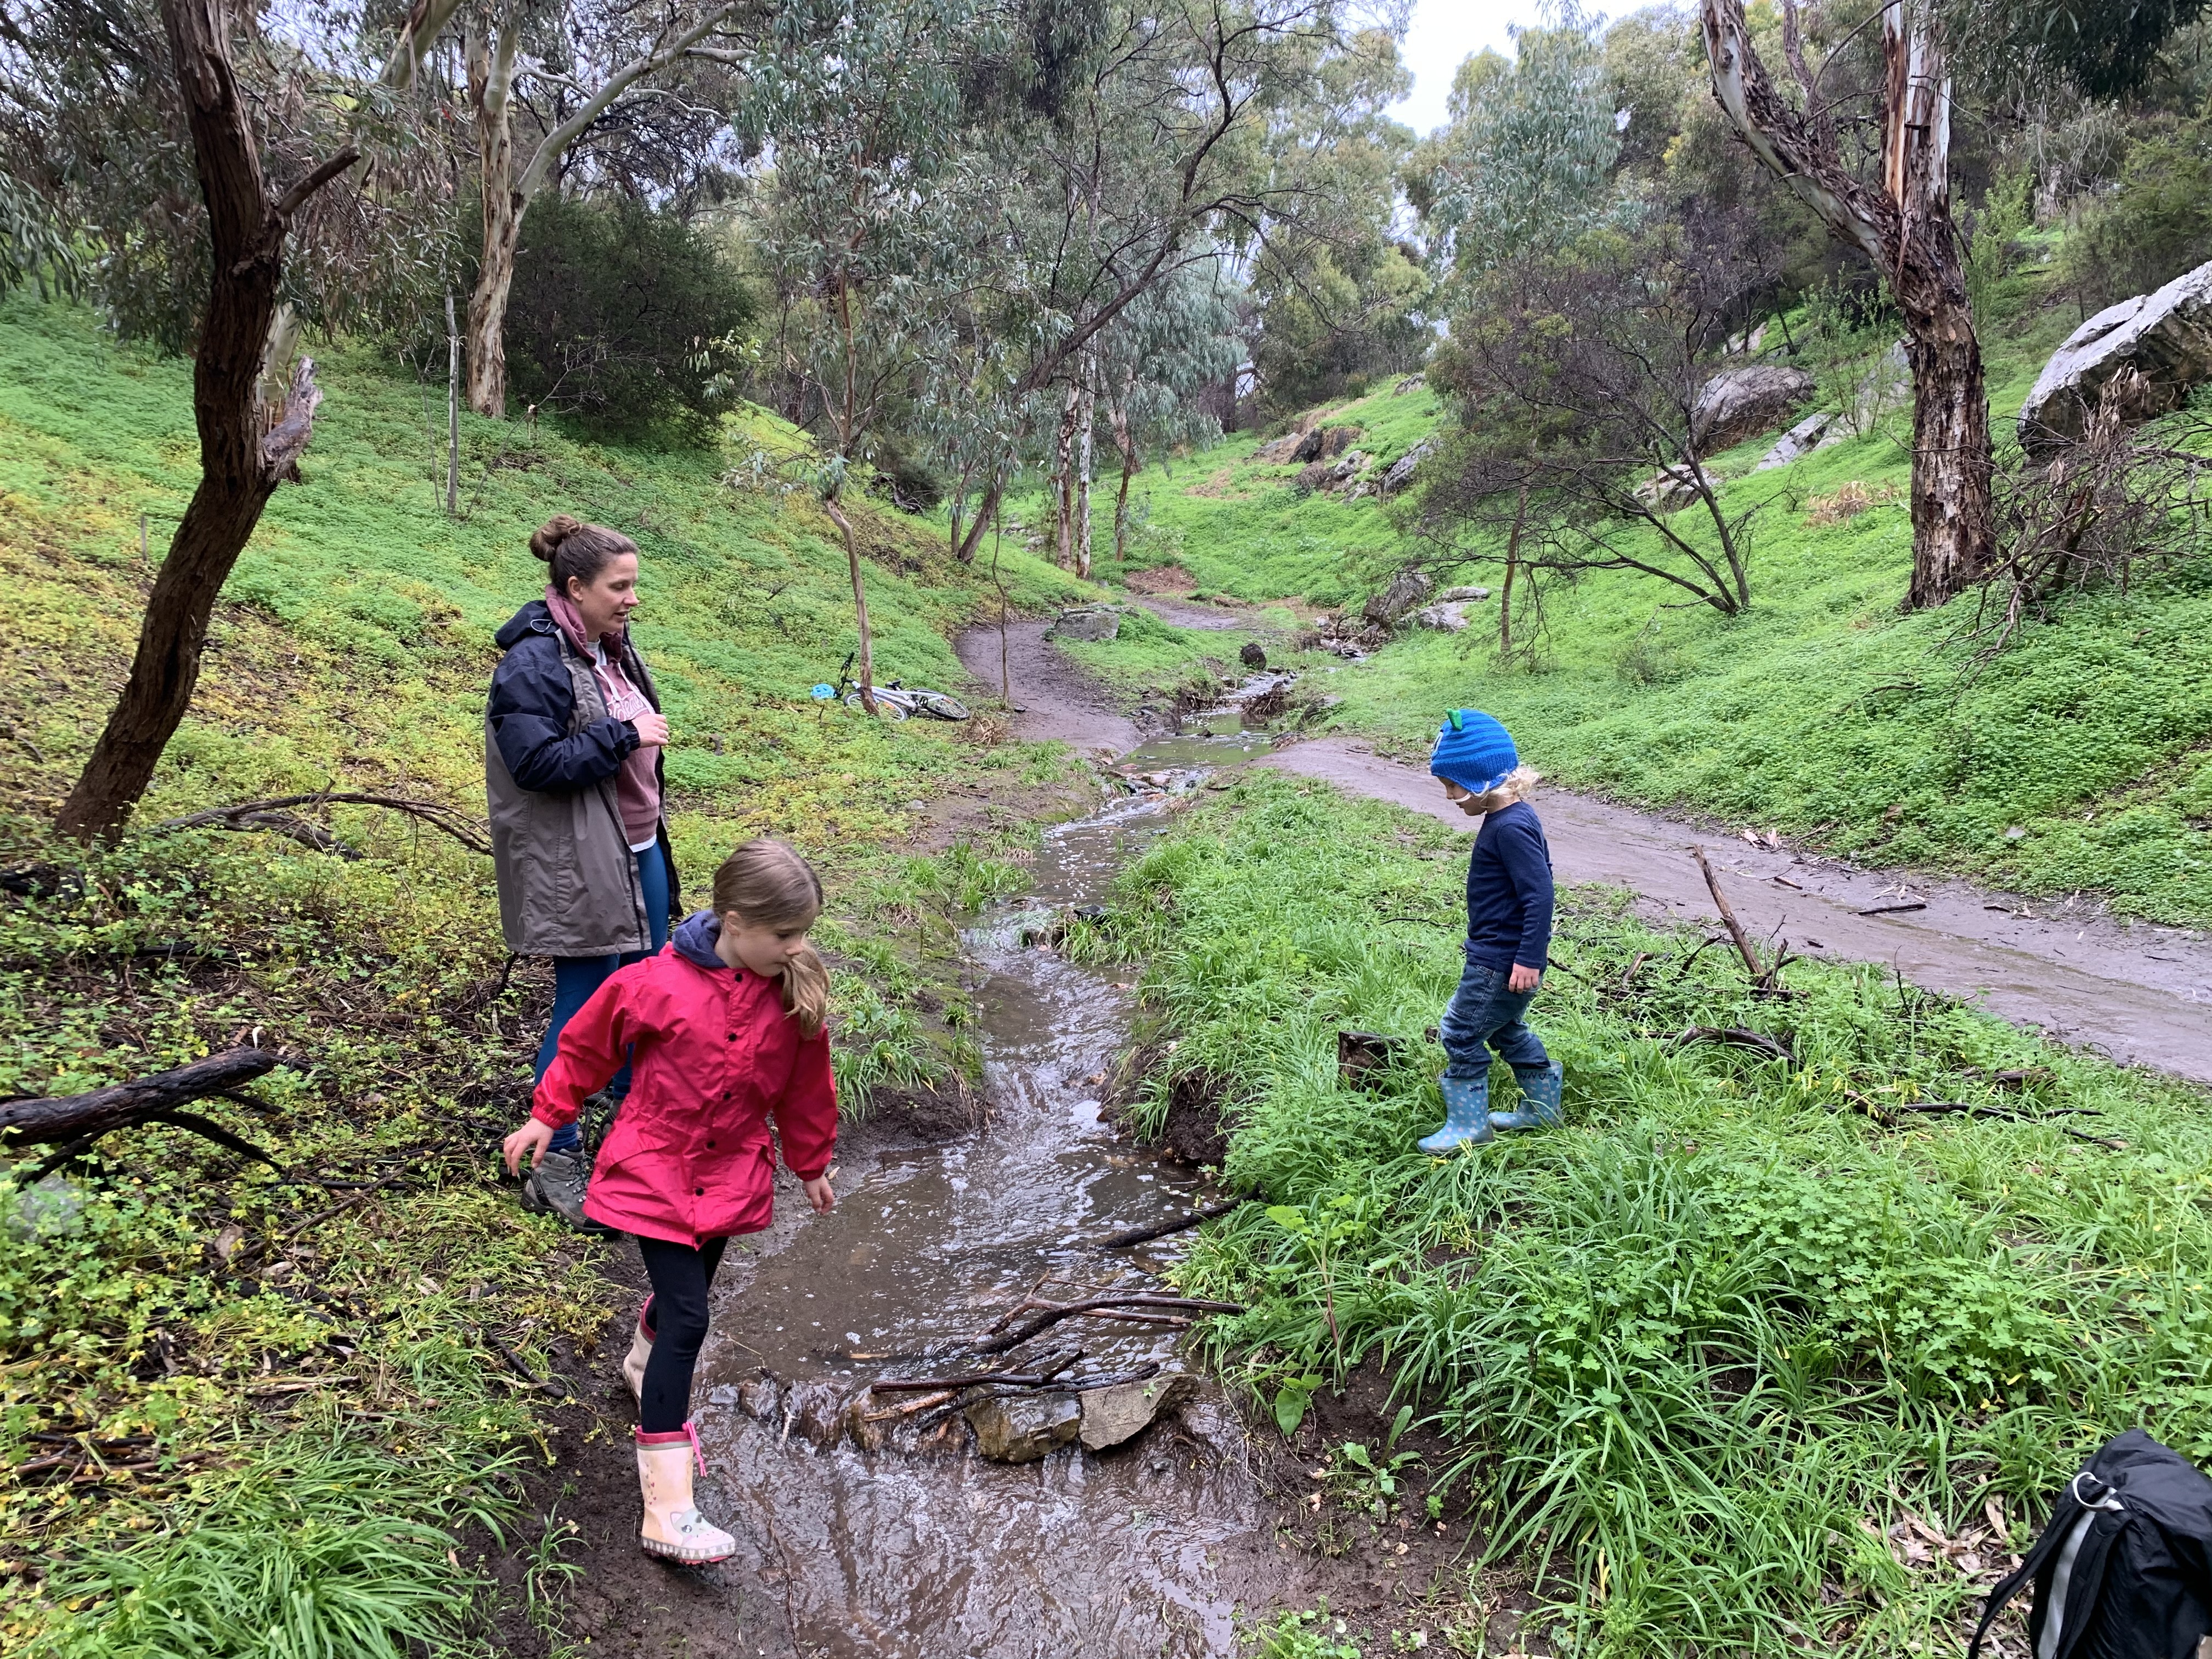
<point>573,742</point>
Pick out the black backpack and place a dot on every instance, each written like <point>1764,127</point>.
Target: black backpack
<point>2124,1570</point>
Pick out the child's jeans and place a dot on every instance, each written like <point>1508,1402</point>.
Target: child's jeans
<point>1484,1011</point>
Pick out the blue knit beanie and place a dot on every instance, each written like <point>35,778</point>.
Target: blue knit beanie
<point>1474,752</point>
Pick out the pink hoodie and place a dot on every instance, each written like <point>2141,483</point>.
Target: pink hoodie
<point>637,785</point>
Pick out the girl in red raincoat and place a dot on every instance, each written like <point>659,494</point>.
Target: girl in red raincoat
<point>724,1029</point>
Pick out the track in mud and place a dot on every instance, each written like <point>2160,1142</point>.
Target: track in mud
<point>919,1548</point>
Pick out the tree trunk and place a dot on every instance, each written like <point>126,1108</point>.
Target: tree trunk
<point>860,604</point>
<point>1121,507</point>
<point>246,448</point>
<point>1084,422</point>
<point>1512,563</point>
<point>1063,487</point>
<point>1905,228</point>
<point>986,514</point>
<point>491,82</point>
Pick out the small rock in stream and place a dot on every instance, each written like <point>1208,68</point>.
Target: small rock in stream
<point>1121,1412</point>
<point>760,1398</point>
<point>1021,1428</point>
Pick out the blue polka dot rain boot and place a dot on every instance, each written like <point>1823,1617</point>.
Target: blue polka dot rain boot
<point>1540,1101</point>
<point>1467,1116</point>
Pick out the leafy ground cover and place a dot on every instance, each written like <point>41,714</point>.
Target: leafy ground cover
<point>275,1410</point>
<point>1703,1360</point>
<point>2080,759</point>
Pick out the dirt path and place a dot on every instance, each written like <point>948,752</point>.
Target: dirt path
<point>2142,994</point>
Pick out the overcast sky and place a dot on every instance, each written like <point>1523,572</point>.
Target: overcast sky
<point>1445,33</point>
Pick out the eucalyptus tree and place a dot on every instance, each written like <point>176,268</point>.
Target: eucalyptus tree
<point>573,71</point>
<point>863,229</point>
<point>1185,131</point>
<point>1894,206</point>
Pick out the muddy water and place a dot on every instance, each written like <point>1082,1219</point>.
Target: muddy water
<point>919,1547</point>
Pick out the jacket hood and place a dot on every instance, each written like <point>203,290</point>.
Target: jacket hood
<point>694,939</point>
<point>532,618</point>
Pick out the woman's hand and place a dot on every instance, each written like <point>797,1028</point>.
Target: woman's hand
<point>819,1195</point>
<point>532,1138</point>
<point>652,729</point>
<point>1524,978</point>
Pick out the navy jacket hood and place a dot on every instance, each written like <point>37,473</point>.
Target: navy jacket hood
<point>532,618</point>
<point>695,937</point>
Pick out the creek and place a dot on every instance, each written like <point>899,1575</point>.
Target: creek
<point>915,1546</point>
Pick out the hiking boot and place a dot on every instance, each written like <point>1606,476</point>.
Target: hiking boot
<point>557,1185</point>
<point>1467,1116</point>
<point>673,1529</point>
<point>1540,1101</point>
<point>641,1350</point>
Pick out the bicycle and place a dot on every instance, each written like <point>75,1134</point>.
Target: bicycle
<point>895,701</point>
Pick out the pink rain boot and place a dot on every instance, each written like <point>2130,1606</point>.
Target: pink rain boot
<point>640,1350</point>
<point>673,1529</point>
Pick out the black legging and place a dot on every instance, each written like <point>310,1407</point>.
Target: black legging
<point>676,1317</point>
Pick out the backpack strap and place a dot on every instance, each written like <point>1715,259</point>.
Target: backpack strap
<point>2058,1548</point>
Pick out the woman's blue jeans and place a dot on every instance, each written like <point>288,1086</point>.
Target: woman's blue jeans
<point>574,979</point>
<point>1485,1015</point>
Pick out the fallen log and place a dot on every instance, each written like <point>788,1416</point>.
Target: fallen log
<point>271,815</point>
<point>74,1122</point>
<point>1129,1236</point>
<point>1738,1037</point>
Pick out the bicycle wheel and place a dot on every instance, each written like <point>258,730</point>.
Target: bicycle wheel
<point>938,706</point>
<point>885,705</point>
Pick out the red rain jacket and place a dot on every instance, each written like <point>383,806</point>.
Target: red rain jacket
<point>690,1156</point>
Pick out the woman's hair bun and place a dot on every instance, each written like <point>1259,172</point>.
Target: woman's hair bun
<point>546,540</point>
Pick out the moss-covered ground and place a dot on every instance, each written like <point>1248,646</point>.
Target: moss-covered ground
<point>246,1409</point>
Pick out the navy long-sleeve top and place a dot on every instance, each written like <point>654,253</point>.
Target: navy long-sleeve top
<point>1508,890</point>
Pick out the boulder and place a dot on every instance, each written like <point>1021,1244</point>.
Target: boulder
<point>1738,403</point>
<point>1409,588</point>
<point>1253,655</point>
<point>1279,451</point>
<point>1671,489</point>
<point>1093,623</point>
<point>1411,383</point>
<point>1802,439</point>
<point>1023,1427</point>
<point>1461,595</point>
<point>1402,470</point>
<point>1334,441</point>
<point>2165,337</point>
<point>1110,1416</point>
<point>1444,618</point>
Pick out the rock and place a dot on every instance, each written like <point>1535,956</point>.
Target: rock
<point>1802,439</point>
<point>1334,441</point>
<point>1411,383</point>
<point>1311,478</point>
<point>760,1398</point>
<point>2166,337</point>
<point>1121,1412</point>
<point>1444,618</point>
<point>1739,402</point>
<point>1252,656</point>
<point>1461,595</point>
<point>1407,589</point>
<point>1348,467</point>
<point>1092,623</point>
<point>1671,489</point>
<point>1402,470</point>
<point>1021,1428</point>
<point>1278,451</point>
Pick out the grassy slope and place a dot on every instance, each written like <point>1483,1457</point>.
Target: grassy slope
<point>1705,1344</point>
<point>353,646</point>
<point>1823,713</point>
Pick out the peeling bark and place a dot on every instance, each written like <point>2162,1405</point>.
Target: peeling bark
<point>1905,228</point>
<point>247,446</point>
<point>491,86</point>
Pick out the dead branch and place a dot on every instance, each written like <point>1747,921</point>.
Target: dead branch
<point>1051,1313</point>
<point>1759,976</point>
<point>1129,1236</point>
<point>1738,1037</point>
<point>1040,1372</point>
<point>271,815</point>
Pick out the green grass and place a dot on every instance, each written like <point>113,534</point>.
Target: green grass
<point>2079,760</point>
<point>202,1356</point>
<point>1691,1347</point>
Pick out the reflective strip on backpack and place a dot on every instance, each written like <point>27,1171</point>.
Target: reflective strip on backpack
<point>2062,1577</point>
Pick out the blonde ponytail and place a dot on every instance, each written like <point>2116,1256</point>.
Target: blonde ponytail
<point>767,884</point>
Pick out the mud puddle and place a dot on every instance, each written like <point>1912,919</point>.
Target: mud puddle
<point>901,1541</point>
